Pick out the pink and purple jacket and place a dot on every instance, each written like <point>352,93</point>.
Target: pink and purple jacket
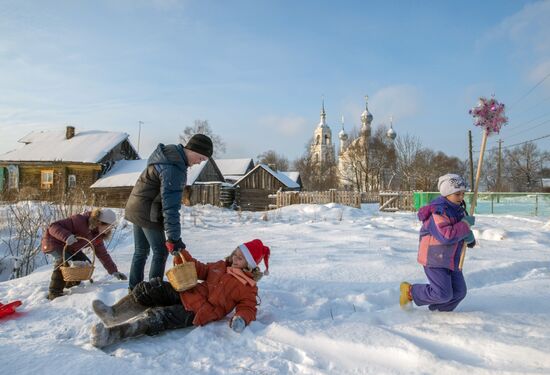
<point>442,234</point>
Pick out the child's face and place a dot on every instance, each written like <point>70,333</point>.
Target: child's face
<point>238,259</point>
<point>456,198</point>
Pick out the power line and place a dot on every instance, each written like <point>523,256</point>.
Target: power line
<point>519,144</point>
<point>529,92</point>
<point>524,130</point>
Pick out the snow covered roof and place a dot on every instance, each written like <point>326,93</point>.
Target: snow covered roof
<point>123,173</point>
<point>292,175</point>
<point>284,179</point>
<point>85,147</point>
<point>126,172</point>
<point>233,167</point>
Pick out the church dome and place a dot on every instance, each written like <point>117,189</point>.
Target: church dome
<point>391,134</point>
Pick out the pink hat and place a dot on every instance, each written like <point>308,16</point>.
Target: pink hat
<point>254,251</point>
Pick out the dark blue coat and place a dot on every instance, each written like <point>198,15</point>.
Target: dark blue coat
<point>155,200</point>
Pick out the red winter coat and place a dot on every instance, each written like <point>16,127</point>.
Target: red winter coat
<point>218,294</point>
<point>79,225</point>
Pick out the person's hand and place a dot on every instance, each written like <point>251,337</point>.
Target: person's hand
<point>120,275</point>
<point>71,240</point>
<point>237,324</point>
<point>470,239</point>
<point>470,220</point>
<point>175,247</point>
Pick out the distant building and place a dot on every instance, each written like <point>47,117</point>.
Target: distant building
<point>252,190</point>
<point>204,183</point>
<point>322,148</point>
<point>234,169</point>
<point>56,165</point>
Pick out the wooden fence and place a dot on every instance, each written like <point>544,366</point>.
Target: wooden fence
<point>391,201</point>
<point>287,198</point>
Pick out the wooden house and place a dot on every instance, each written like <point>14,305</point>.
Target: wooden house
<point>205,184</point>
<point>61,165</point>
<point>294,176</point>
<point>253,190</point>
<point>234,169</point>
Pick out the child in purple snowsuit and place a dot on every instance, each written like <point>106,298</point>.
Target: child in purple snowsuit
<point>445,227</point>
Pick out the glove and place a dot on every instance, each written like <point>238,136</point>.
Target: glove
<point>119,275</point>
<point>471,244</point>
<point>470,239</point>
<point>71,240</point>
<point>174,247</point>
<point>237,324</point>
<point>470,220</point>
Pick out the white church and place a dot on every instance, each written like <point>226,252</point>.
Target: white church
<point>322,149</point>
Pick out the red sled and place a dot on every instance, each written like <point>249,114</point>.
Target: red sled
<point>9,308</point>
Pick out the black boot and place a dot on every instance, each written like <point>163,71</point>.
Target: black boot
<point>126,308</point>
<point>56,283</point>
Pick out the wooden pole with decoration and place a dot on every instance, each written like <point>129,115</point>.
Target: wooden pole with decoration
<point>489,115</point>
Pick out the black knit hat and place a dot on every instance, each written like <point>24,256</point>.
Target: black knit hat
<point>200,143</point>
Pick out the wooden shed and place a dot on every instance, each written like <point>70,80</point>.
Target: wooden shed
<point>252,190</point>
<point>234,169</point>
<point>60,166</point>
<point>204,184</point>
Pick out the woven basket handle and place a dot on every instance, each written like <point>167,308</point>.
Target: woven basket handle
<point>183,261</point>
<point>89,243</point>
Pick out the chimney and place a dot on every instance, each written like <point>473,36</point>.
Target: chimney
<point>70,132</point>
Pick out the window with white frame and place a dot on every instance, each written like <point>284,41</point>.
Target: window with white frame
<point>71,181</point>
<point>13,177</point>
<point>46,179</point>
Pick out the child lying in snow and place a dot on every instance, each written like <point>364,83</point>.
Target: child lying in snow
<point>154,306</point>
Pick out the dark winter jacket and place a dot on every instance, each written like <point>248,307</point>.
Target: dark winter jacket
<point>219,293</point>
<point>442,234</point>
<point>155,200</point>
<point>81,225</point>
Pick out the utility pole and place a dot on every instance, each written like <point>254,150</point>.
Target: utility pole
<point>499,168</point>
<point>471,158</point>
<point>139,135</point>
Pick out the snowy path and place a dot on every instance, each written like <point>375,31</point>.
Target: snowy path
<point>328,307</point>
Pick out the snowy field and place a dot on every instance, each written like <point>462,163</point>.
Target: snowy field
<point>329,306</point>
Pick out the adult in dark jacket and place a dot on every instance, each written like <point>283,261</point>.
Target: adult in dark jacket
<point>154,204</point>
<point>93,225</point>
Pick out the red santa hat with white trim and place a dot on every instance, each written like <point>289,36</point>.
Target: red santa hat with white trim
<point>254,251</point>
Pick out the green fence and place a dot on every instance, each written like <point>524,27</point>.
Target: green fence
<point>523,204</point>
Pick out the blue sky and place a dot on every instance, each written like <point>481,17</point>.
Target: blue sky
<point>256,70</point>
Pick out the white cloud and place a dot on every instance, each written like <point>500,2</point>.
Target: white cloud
<point>287,126</point>
<point>527,32</point>
<point>399,101</point>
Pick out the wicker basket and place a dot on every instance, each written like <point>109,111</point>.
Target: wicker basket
<point>78,273</point>
<point>182,276</point>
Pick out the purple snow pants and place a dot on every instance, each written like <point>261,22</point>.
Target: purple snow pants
<point>444,292</point>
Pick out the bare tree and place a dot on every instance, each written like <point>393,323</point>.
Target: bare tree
<point>203,127</point>
<point>316,176</point>
<point>274,160</point>
<point>524,165</point>
<point>407,148</point>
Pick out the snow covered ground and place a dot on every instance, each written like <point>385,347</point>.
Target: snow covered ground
<point>330,305</point>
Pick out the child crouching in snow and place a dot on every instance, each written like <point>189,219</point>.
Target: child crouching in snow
<point>445,227</point>
<point>154,306</point>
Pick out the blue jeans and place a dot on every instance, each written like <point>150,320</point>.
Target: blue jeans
<point>444,292</point>
<point>144,240</point>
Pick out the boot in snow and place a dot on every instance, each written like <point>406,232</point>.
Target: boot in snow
<point>146,323</point>
<point>405,297</point>
<point>125,309</point>
<point>57,283</point>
